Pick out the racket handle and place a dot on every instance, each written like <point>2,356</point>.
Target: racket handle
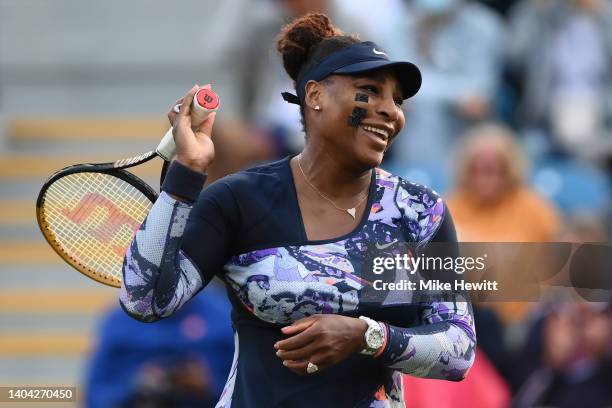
<point>166,147</point>
<point>204,102</point>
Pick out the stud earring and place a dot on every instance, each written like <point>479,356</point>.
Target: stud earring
<point>317,108</point>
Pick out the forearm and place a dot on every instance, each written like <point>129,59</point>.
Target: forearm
<point>444,348</point>
<point>157,277</point>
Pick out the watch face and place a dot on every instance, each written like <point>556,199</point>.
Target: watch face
<point>375,339</point>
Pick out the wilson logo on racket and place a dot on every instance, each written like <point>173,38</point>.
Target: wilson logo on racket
<point>127,162</point>
<point>113,220</point>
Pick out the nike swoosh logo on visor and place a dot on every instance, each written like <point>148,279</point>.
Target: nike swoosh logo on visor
<point>375,51</point>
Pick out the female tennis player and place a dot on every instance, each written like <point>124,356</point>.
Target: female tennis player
<point>294,241</point>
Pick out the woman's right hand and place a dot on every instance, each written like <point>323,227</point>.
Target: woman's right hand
<point>194,148</point>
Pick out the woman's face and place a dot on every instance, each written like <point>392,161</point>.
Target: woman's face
<point>360,116</point>
<point>488,174</point>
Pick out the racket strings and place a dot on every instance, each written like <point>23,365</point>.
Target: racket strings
<point>91,218</point>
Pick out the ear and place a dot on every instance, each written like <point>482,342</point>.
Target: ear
<point>314,94</point>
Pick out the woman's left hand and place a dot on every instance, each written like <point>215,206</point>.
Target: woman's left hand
<point>323,339</point>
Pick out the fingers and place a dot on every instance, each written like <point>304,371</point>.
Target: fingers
<point>181,109</point>
<point>182,120</point>
<point>300,367</point>
<point>299,325</point>
<point>185,109</point>
<point>294,342</point>
<point>298,353</point>
<point>297,350</point>
<point>207,125</point>
<point>300,336</point>
<point>175,109</point>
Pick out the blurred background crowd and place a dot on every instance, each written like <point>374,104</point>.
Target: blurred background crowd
<point>513,125</point>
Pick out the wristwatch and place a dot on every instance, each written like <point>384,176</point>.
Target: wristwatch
<point>374,337</point>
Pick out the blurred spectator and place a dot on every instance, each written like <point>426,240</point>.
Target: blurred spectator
<point>568,359</point>
<point>491,202</point>
<point>562,51</point>
<point>182,361</point>
<point>458,47</point>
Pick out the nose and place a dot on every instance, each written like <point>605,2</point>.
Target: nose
<point>387,108</point>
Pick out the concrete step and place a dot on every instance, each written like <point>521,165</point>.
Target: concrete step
<point>47,277</point>
<point>83,129</point>
<point>44,344</point>
<point>27,190</point>
<point>17,167</point>
<point>16,212</point>
<point>33,253</point>
<point>26,231</point>
<point>50,148</point>
<point>49,322</point>
<point>58,301</point>
<point>39,370</point>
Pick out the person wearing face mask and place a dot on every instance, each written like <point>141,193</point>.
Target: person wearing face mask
<point>293,241</point>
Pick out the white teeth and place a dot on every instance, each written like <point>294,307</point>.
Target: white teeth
<point>377,130</point>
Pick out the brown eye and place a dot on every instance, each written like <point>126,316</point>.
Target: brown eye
<point>399,101</point>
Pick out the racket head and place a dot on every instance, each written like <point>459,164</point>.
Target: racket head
<point>89,214</point>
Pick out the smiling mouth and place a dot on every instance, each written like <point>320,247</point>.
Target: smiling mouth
<point>380,133</point>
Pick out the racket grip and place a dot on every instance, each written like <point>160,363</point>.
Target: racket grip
<point>204,102</point>
<point>166,148</point>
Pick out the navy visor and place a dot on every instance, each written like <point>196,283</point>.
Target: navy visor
<point>356,59</point>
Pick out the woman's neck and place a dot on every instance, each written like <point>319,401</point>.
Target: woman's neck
<point>331,175</point>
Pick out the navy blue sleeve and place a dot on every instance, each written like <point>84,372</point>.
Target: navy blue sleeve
<point>211,228</point>
<point>179,247</point>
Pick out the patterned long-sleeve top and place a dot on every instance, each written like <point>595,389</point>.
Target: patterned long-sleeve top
<point>247,230</point>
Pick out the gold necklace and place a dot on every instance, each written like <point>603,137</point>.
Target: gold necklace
<point>351,211</point>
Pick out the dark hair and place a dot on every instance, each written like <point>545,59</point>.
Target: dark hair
<point>308,40</point>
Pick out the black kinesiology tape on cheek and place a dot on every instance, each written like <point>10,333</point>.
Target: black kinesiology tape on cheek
<point>356,117</point>
<point>361,97</point>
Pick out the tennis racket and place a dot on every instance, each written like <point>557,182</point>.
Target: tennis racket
<point>89,213</point>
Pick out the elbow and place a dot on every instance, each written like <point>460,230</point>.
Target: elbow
<point>132,310</point>
<point>137,307</point>
<point>464,354</point>
<point>461,367</point>
<point>456,375</point>
<point>135,314</point>
<point>135,296</point>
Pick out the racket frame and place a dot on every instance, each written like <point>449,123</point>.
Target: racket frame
<point>165,149</point>
<point>116,169</point>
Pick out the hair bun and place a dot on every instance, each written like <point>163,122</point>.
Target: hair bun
<point>300,36</point>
